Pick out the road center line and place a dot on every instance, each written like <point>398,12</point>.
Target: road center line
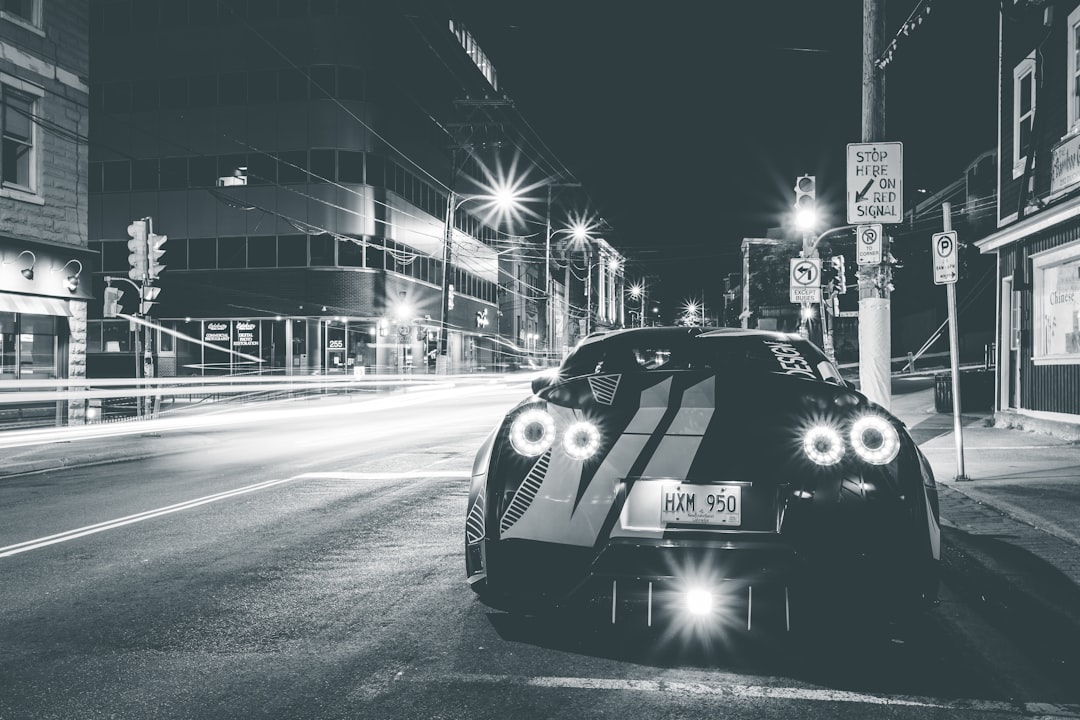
<point>41,542</point>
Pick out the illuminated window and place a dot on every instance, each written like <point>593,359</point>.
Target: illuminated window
<point>1056,293</point>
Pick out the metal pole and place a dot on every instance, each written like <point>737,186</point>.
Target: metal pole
<point>441,360</point>
<point>588,289</point>
<point>549,314</point>
<point>954,357</point>
<point>745,285</point>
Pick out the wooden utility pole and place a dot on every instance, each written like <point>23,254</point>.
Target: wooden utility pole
<point>875,343</point>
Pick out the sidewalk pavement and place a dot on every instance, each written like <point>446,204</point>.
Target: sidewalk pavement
<point>1011,524</point>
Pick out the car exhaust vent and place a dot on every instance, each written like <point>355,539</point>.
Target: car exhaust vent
<point>526,493</point>
<point>474,524</point>
<point>604,387</point>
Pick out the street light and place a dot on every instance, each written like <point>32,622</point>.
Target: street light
<point>690,311</point>
<point>638,292</point>
<point>505,199</point>
<point>579,232</point>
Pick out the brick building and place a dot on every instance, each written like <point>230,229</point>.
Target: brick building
<point>45,263</point>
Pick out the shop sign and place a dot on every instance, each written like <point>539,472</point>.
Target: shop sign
<point>1065,165</point>
<point>245,334</point>
<point>217,332</point>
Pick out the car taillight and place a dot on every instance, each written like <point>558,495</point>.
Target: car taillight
<point>582,440</point>
<point>875,440</point>
<point>823,445</point>
<point>532,432</point>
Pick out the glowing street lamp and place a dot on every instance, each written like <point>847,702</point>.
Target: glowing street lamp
<point>504,200</point>
<point>637,291</point>
<point>579,231</point>
<point>690,310</point>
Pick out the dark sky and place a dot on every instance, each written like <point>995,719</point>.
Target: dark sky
<point>688,121</point>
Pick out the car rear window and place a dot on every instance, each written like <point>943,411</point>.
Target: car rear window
<point>733,356</point>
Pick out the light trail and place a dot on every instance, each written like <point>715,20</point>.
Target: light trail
<point>726,692</point>
<point>67,535</point>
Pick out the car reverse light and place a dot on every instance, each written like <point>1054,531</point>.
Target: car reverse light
<point>532,432</point>
<point>581,440</point>
<point>699,602</point>
<point>823,445</point>
<point>875,440</point>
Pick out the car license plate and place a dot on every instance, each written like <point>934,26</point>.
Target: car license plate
<point>701,504</point>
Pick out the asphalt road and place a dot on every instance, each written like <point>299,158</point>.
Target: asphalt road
<point>308,564</point>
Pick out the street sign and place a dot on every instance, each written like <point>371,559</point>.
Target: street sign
<point>875,182</point>
<point>868,244</point>
<point>805,280</point>
<point>946,266</point>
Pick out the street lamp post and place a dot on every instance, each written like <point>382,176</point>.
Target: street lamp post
<point>638,292</point>
<point>504,200</point>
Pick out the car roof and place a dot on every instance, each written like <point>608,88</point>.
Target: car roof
<point>669,334</point>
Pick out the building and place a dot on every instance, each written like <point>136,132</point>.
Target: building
<point>45,263</point>
<point>302,159</point>
<point>1038,217</point>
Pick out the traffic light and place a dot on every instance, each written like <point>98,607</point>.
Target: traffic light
<point>149,296</point>
<point>805,202</point>
<point>155,245</point>
<point>841,279</point>
<point>138,259</point>
<point>112,302</point>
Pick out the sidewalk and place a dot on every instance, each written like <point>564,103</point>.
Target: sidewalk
<point>1011,527</point>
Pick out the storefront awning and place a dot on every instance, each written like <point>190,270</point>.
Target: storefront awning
<point>34,305</point>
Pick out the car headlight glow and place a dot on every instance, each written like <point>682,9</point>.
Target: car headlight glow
<point>875,440</point>
<point>581,440</point>
<point>823,445</point>
<point>532,432</point>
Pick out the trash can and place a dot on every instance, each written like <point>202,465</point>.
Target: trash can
<point>976,391</point>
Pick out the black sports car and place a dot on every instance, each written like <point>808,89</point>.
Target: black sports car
<point>726,475</point>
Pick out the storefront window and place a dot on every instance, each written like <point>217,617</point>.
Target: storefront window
<point>115,336</point>
<point>1057,305</point>
<point>7,345</point>
<point>37,347</point>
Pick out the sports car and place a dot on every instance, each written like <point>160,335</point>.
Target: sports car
<point>726,474</point>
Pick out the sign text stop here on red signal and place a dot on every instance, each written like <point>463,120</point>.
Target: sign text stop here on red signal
<point>874,182</point>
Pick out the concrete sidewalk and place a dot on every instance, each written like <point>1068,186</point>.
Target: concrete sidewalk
<point>1010,525</point>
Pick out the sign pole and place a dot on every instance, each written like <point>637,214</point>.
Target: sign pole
<point>954,353</point>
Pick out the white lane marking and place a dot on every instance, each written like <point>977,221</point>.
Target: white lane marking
<point>41,542</point>
<point>980,448</point>
<point>388,475</point>
<point>763,692</point>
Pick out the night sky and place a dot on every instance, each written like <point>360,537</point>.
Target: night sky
<point>688,122</point>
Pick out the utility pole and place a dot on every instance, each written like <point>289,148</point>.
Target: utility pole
<point>875,342</point>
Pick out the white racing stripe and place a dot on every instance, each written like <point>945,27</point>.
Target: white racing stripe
<point>766,692</point>
<point>41,542</point>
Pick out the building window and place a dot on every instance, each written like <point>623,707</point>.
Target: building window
<point>17,153</point>
<point>1023,112</point>
<point>1057,305</point>
<point>22,11</point>
<point>1073,81</point>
